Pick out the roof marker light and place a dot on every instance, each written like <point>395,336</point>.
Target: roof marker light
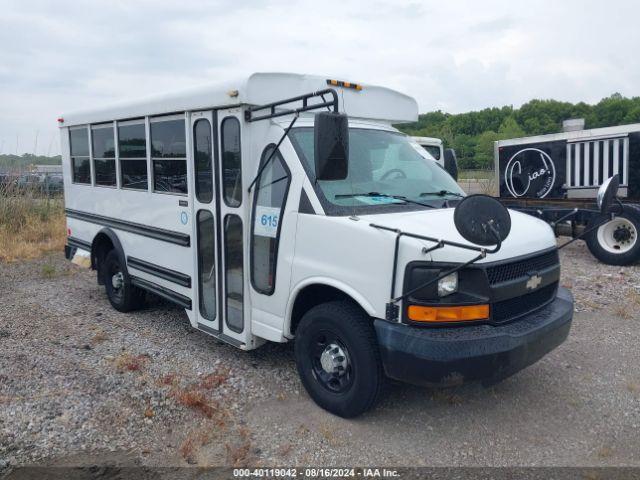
<point>340,83</point>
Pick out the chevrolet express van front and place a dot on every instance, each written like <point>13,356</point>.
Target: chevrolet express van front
<point>363,244</point>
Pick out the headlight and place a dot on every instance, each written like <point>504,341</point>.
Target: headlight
<point>448,285</point>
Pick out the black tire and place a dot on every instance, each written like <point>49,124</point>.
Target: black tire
<point>126,298</point>
<point>608,255</point>
<point>353,390</point>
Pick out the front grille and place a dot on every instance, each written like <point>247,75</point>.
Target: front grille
<point>519,269</point>
<point>507,310</point>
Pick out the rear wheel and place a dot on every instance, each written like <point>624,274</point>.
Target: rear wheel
<point>338,358</point>
<point>123,296</point>
<point>616,241</point>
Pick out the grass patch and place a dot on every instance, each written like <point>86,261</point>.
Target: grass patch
<point>48,271</point>
<point>31,224</point>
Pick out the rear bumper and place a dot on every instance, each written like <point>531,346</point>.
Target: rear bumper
<point>451,356</point>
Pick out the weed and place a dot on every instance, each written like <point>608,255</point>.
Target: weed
<point>48,270</point>
<point>329,435</point>
<point>196,400</point>
<point>99,337</point>
<point>168,379</point>
<point>285,449</point>
<point>192,444</point>
<point>605,452</point>
<point>131,363</point>
<point>31,224</point>
<point>215,379</point>
<point>238,454</point>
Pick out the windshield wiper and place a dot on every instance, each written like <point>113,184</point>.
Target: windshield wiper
<point>384,195</point>
<point>442,193</point>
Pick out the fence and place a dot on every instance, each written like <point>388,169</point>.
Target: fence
<point>21,182</point>
<point>478,181</point>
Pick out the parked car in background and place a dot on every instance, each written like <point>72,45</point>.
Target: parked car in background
<point>446,157</point>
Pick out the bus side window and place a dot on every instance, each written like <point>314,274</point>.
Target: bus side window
<point>80,162</point>
<point>268,204</point>
<point>132,149</point>
<point>169,156</point>
<point>104,155</point>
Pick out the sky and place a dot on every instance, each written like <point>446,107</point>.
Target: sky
<point>457,55</point>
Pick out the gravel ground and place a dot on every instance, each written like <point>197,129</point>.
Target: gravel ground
<point>82,384</point>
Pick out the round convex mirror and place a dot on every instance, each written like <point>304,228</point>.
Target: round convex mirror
<point>480,219</point>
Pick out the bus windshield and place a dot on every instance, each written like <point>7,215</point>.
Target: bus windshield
<point>381,162</point>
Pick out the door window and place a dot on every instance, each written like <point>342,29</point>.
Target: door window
<point>206,265</point>
<point>202,160</point>
<point>234,272</point>
<point>231,162</point>
<point>269,200</point>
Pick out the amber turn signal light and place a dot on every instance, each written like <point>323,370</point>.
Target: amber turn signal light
<point>465,313</point>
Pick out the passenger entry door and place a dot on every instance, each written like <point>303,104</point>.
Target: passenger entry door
<point>205,223</point>
<point>231,201</point>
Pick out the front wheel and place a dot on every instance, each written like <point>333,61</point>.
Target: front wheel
<point>123,296</point>
<point>338,358</point>
<point>616,241</point>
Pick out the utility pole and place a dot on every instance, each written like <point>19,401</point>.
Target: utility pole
<point>53,137</point>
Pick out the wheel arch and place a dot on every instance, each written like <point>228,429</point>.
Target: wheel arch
<point>314,291</point>
<point>104,241</point>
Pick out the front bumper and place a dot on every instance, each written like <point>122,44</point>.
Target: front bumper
<point>456,355</point>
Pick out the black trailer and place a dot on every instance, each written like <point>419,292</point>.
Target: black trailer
<point>556,178</point>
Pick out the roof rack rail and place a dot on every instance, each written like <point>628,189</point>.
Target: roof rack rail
<point>248,114</point>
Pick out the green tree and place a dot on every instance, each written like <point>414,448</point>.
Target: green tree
<point>484,149</point>
<point>510,129</point>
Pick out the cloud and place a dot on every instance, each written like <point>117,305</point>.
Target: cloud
<point>456,56</point>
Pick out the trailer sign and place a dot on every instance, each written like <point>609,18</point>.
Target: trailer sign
<point>530,172</point>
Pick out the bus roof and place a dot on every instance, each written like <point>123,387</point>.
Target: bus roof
<point>370,102</point>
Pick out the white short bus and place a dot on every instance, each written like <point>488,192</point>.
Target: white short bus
<point>287,208</point>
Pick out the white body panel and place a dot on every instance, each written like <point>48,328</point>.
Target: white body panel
<point>314,249</point>
<point>434,143</point>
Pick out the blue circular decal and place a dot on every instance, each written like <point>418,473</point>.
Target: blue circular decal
<point>184,218</point>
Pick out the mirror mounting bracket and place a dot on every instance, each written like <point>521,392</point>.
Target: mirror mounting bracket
<point>392,309</point>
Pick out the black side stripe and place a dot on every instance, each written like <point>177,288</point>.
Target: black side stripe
<point>169,236</point>
<point>159,271</point>
<point>175,297</point>
<point>77,243</point>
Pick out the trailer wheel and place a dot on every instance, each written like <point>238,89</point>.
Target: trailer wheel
<point>338,358</point>
<point>616,242</point>
<point>123,296</point>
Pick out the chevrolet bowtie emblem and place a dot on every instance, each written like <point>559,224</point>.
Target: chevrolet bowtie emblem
<point>533,282</point>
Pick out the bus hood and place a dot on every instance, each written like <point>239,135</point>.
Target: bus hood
<point>528,234</point>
